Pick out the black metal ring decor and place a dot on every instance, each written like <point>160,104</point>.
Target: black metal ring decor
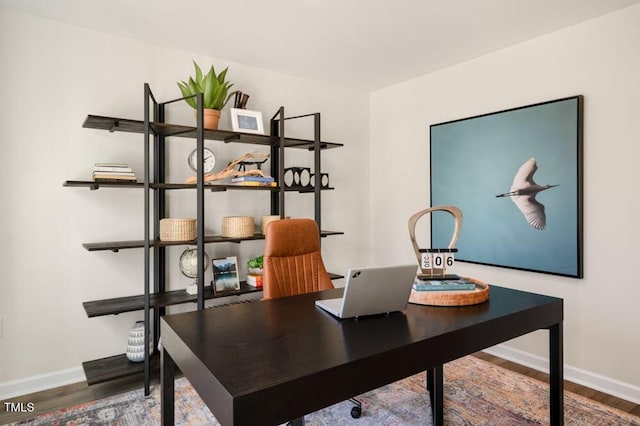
<point>324,180</point>
<point>305,177</point>
<point>296,177</point>
<point>301,177</point>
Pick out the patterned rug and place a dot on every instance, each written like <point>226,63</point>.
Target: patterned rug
<point>476,393</point>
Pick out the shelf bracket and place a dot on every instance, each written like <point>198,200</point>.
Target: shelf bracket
<point>114,126</point>
<point>115,250</point>
<point>322,146</point>
<point>94,187</point>
<point>232,138</point>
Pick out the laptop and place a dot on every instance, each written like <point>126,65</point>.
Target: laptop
<point>371,291</point>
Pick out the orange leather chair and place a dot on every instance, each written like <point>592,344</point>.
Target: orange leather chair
<point>292,260</point>
<point>293,265</point>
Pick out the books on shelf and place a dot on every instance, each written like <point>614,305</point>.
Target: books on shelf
<point>112,169</point>
<point>121,165</point>
<point>250,183</point>
<point>443,285</point>
<point>112,175</point>
<point>254,280</point>
<point>263,179</point>
<point>113,172</point>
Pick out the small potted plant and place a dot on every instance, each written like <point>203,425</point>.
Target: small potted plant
<point>215,91</point>
<point>254,277</point>
<point>255,265</point>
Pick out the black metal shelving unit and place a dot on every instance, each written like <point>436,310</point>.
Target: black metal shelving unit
<point>155,298</point>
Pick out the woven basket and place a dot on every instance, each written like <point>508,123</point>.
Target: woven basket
<point>177,229</point>
<point>238,227</point>
<point>267,220</point>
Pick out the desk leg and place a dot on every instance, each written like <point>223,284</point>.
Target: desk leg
<point>556,375</point>
<point>435,386</point>
<point>167,397</point>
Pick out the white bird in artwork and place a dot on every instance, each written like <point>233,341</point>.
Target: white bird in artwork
<point>523,193</point>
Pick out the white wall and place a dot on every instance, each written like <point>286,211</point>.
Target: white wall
<point>52,76</point>
<point>599,59</point>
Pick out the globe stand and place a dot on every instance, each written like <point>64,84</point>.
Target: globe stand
<point>189,267</point>
<point>192,288</point>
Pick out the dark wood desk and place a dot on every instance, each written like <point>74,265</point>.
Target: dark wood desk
<point>268,362</point>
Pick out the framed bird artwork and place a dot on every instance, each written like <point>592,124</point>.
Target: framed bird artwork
<point>517,177</point>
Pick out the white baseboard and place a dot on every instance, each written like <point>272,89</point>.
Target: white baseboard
<point>41,382</point>
<point>595,381</point>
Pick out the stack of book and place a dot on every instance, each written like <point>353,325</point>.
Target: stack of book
<point>113,172</point>
<point>443,285</point>
<point>254,280</point>
<point>253,181</point>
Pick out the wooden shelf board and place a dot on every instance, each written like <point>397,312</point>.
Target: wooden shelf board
<point>113,124</point>
<point>96,185</point>
<point>307,189</point>
<point>208,187</point>
<point>119,305</point>
<point>122,245</point>
<point>116,367</point>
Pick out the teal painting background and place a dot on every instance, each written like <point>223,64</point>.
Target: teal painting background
<point>475,159</point>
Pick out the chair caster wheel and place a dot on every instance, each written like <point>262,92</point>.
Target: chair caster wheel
<point>356,412</point>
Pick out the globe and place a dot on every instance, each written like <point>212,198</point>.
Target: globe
<point>189,262</point>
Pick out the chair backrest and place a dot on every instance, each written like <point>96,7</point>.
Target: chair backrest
<point>292,260</point>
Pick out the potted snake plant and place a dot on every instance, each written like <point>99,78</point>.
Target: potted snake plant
<point>215,91</point>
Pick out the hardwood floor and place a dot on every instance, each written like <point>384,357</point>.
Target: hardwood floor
<point>601,397</point>
<point>78,393</point>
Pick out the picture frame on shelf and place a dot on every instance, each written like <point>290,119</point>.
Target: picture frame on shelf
<point>247,121</point>
<point>225,274</point>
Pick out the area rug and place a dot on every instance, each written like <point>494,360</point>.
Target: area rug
<point>476,393</point>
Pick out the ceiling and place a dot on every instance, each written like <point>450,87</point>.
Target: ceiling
<point>364,44</point>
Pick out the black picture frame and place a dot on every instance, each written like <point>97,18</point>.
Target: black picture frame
<point>474,162</point>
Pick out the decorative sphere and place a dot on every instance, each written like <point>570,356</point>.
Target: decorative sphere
<point>189,262</point>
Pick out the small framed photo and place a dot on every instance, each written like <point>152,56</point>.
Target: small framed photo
<point>246,121</point>
<point>225,274</point>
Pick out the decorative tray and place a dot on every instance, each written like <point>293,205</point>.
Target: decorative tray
<point>452,298</point>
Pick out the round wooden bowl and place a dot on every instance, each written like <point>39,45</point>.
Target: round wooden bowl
<point>452,298</point>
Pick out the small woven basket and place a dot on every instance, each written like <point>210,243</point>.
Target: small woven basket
<point>238,227</point>
<point>178,229</point>
<point>266,220</point>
